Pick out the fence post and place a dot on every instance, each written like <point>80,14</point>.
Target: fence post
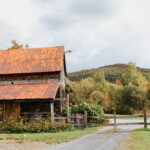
<point>77,121</point>
<point>73,118</point>
<point>68,111</point>
<point>85,118</point>
<point>115,123</point>
<point>52,112</point>
<point>145,119</point>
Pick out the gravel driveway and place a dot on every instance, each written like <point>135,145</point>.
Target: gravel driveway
<point>98,140</point>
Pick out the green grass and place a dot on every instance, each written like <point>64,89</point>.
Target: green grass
<point>140,139</point>
<point>50,138</point>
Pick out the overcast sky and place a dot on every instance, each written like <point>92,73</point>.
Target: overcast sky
<point>99,32</point>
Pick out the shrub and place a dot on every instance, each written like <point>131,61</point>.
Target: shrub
<point>92,109</point>
<point>18,124</point>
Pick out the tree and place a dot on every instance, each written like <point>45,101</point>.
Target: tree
<point>99,77</point>
<point>130,98</point>
<point>15,45</point>
<point>133,77</point>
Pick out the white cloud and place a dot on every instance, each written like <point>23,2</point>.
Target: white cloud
<point>99,32</point>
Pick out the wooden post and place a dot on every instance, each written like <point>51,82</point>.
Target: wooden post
<point>73,118</point>
<point>77,121</point>
<point>52,112</point>
<point>4,118</point>
<point>145,119</point>
<point>60,100</point>
<point>68,110</point>
<point>115,123</point>
<point>85,118</point>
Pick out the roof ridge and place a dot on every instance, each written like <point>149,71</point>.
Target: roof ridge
<point>31,48</point>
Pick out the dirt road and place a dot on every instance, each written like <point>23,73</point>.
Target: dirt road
<point>100,140</point>
<point>103,139</point>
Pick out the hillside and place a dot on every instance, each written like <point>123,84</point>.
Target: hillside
<point>112,72</point>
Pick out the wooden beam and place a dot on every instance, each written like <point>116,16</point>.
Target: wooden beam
<point>27,100</point>
<point>60,99</point>
<point>52,112</point>
<point>68,110</point>
<point>4,118</point>
<point>85,118</point>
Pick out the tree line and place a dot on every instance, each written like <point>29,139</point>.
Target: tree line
<point>128,94</point>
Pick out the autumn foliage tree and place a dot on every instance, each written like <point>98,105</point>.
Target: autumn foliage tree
<point>16,45</point>
<point>133,77</point>
<point>126,96</point>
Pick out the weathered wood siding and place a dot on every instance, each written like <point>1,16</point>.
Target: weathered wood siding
<point>62,77</point>
<point>30,78</point>
<point>7,108</point>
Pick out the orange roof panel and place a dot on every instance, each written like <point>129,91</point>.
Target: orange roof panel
<point>33,60</point>
<point>29,91</point>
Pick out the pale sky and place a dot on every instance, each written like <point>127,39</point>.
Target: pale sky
<point>99,32</point>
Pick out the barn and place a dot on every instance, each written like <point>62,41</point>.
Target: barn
<point>32,80</point>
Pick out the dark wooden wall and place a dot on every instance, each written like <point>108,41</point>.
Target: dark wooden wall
<point>7,108</point>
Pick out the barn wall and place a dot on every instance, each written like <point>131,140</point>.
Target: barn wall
<point>30,78</point>
<point>7,108</point>
<point>29,81</point>
<point>62,77</point>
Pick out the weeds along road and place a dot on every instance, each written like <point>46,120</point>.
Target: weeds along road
<point>103,139</point>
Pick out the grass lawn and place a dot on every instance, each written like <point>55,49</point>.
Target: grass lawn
<point>137,140</point>
<point>140,139</point>
<point>49,138</point>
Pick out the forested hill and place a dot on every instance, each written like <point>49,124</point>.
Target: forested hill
<point>112,72</point>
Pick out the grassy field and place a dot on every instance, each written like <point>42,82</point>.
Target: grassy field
<point>140,139</point>
<point>49,138</point>
<point>136,140</point>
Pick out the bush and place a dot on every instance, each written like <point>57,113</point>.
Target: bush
<point>18,124</point>
<point>92,109</point>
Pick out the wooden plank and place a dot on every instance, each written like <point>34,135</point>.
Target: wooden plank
<point>60,99</point>
<point>100,124</point>
<point>118,117</point>
<point>132,123</point>
<point>42,113</point>
<point>61,118</point>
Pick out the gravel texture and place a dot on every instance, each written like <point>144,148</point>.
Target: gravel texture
<point>98,140</point>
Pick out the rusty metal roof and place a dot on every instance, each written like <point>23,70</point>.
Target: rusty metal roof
<point>29,91</point>
<point>33,60</point>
